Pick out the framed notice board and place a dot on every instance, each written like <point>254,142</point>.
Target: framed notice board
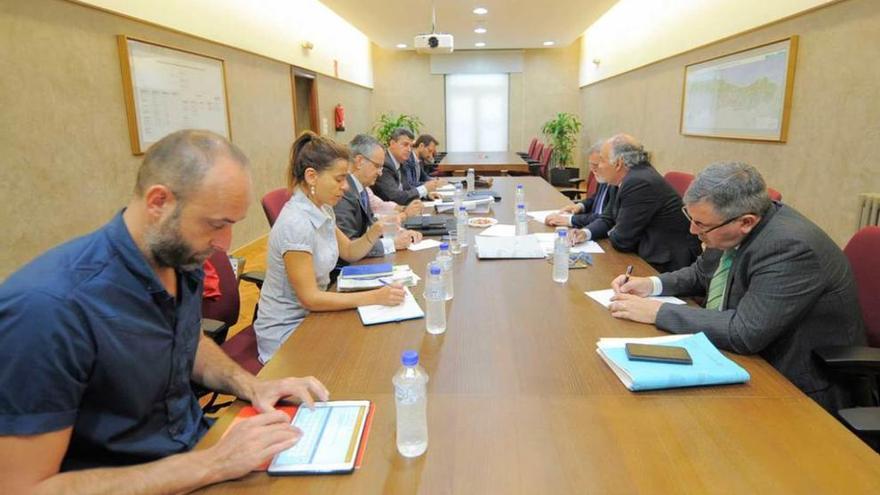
<point>167,89</point>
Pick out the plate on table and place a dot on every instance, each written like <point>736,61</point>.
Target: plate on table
<point>482,222</point>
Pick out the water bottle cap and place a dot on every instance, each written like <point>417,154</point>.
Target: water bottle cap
<point>458,185</point>
<point>520,206</point>
<point>444,246</point>
<point>435,270</point>
<point>462,208</point>
<point>519,186</point>
<point>562,232</point>
<point>409,358</point>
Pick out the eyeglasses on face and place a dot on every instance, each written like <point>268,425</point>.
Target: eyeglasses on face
<point>376,164</point>
<point>705,229</point>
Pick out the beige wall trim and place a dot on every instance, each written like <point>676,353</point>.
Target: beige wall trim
<point>200,38</point>
<point>720,40</point>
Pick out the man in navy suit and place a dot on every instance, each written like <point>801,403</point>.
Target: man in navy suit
<point>583,213</point>
<point>396,183</point>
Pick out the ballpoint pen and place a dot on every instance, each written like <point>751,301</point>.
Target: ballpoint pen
<point>629,271</point>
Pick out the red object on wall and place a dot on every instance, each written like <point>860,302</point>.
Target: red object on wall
<point>340,118</point>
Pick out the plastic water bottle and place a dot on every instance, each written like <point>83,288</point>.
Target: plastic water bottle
<point>435,298</point>
<point>457,198</point>
<point>461,226</point>
<point>520,196</point>
<point>444,257</point>
<point>470,180</point>
<point>522,220</point>
<point>560,256</point>
<point>411,399</point>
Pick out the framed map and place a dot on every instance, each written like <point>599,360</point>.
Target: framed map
<point>744,95</point>
<point>167,89</point>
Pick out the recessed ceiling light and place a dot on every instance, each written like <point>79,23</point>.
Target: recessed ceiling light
<point>480,30</point>
<point>479,44</point>
<point>401,45</point>
<point>481,11</point>
<point>549,43</point>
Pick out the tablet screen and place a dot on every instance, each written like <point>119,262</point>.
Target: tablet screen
<point>331,437</point>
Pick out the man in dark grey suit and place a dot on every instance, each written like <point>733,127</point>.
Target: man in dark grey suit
<point>394,184</point>
<point>354,215</point>
<point>775,283</point>
<point>644,216</point>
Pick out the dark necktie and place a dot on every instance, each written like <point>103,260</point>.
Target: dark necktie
<point>597,205</point>
<point>365,200</point>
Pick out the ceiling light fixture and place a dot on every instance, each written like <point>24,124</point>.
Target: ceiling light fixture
<point>479,44</point>
<point>480,30</point>
<point>549,43</point>
<point>401,45</point>
<point>481,11</point>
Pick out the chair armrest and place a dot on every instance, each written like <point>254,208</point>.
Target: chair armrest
<point>862,420</point>
<point>256,278</point>
<point>576,180</point>
<point>858,360</point>
<point>216,330</point>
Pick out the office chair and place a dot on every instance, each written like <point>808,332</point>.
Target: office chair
<point>540,169</point>
<point>576,193</point>
<point>532,144</point>
<point>273,201</point>
<point>679,181</point>
<point>861,364</point>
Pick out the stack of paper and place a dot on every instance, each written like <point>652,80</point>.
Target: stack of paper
<point>522,246</point>
<point>424,244</point>
<point>709,367</point>
<point>499,230</point>
<point>475,205</point>
<point>402,274</point>
<point>547,240</point>
<point>376,313</point>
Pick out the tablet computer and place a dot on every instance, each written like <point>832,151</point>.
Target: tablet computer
<point>332,434</point>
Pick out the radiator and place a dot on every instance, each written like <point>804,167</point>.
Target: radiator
<point>869,209</point>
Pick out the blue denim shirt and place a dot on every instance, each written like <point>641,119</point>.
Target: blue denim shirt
<point>89,338</point>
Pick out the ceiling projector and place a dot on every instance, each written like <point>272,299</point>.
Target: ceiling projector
<point>433,43</point>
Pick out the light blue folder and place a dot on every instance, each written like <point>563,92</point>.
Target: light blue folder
<point>710,367</point>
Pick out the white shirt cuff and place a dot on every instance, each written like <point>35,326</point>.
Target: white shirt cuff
<point>568,220</point>
<point>589,234</point>
<point>658,286</point>
<point>388,245</point>
<point>423,191</point>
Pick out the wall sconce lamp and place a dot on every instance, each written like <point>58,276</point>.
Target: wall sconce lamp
<point>596,62</point>
<point>307,45</point>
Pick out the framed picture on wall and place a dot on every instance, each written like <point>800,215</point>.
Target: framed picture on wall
<point>167,89</point>
<point>743,95</point>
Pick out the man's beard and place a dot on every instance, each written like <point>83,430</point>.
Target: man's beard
<point>166,245</point>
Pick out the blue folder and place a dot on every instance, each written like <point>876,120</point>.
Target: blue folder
<point>710,367</point>
<point>367,271</point>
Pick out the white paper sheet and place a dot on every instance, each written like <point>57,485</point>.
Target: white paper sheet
<point>541,215</point>
<point>603,297</point>
<point>547,239</point>
<point>499,230</point>
<point>375,313</point>
<point>521,246</point>
<point>424,244</point>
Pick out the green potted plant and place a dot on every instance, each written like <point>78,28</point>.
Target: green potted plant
<point>562,133</point>
<point>387,122</point>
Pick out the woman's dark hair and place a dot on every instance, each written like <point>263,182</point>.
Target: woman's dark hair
<point>313,151</point>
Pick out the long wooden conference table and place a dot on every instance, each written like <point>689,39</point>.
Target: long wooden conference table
<point>484,162</point>
<point>520,403</point>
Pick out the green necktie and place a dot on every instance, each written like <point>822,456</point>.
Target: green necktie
<point>719,281</point>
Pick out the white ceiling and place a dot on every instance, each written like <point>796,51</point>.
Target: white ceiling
<point>510,23</point>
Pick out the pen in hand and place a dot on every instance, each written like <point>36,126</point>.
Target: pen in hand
<point>629,271</point>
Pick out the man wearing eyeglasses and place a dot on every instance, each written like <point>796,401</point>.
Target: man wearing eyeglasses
<point>354,213</point>
<point>775,284</point>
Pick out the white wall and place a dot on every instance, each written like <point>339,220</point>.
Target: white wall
<point>272,28</point>
<point>635,33</point>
